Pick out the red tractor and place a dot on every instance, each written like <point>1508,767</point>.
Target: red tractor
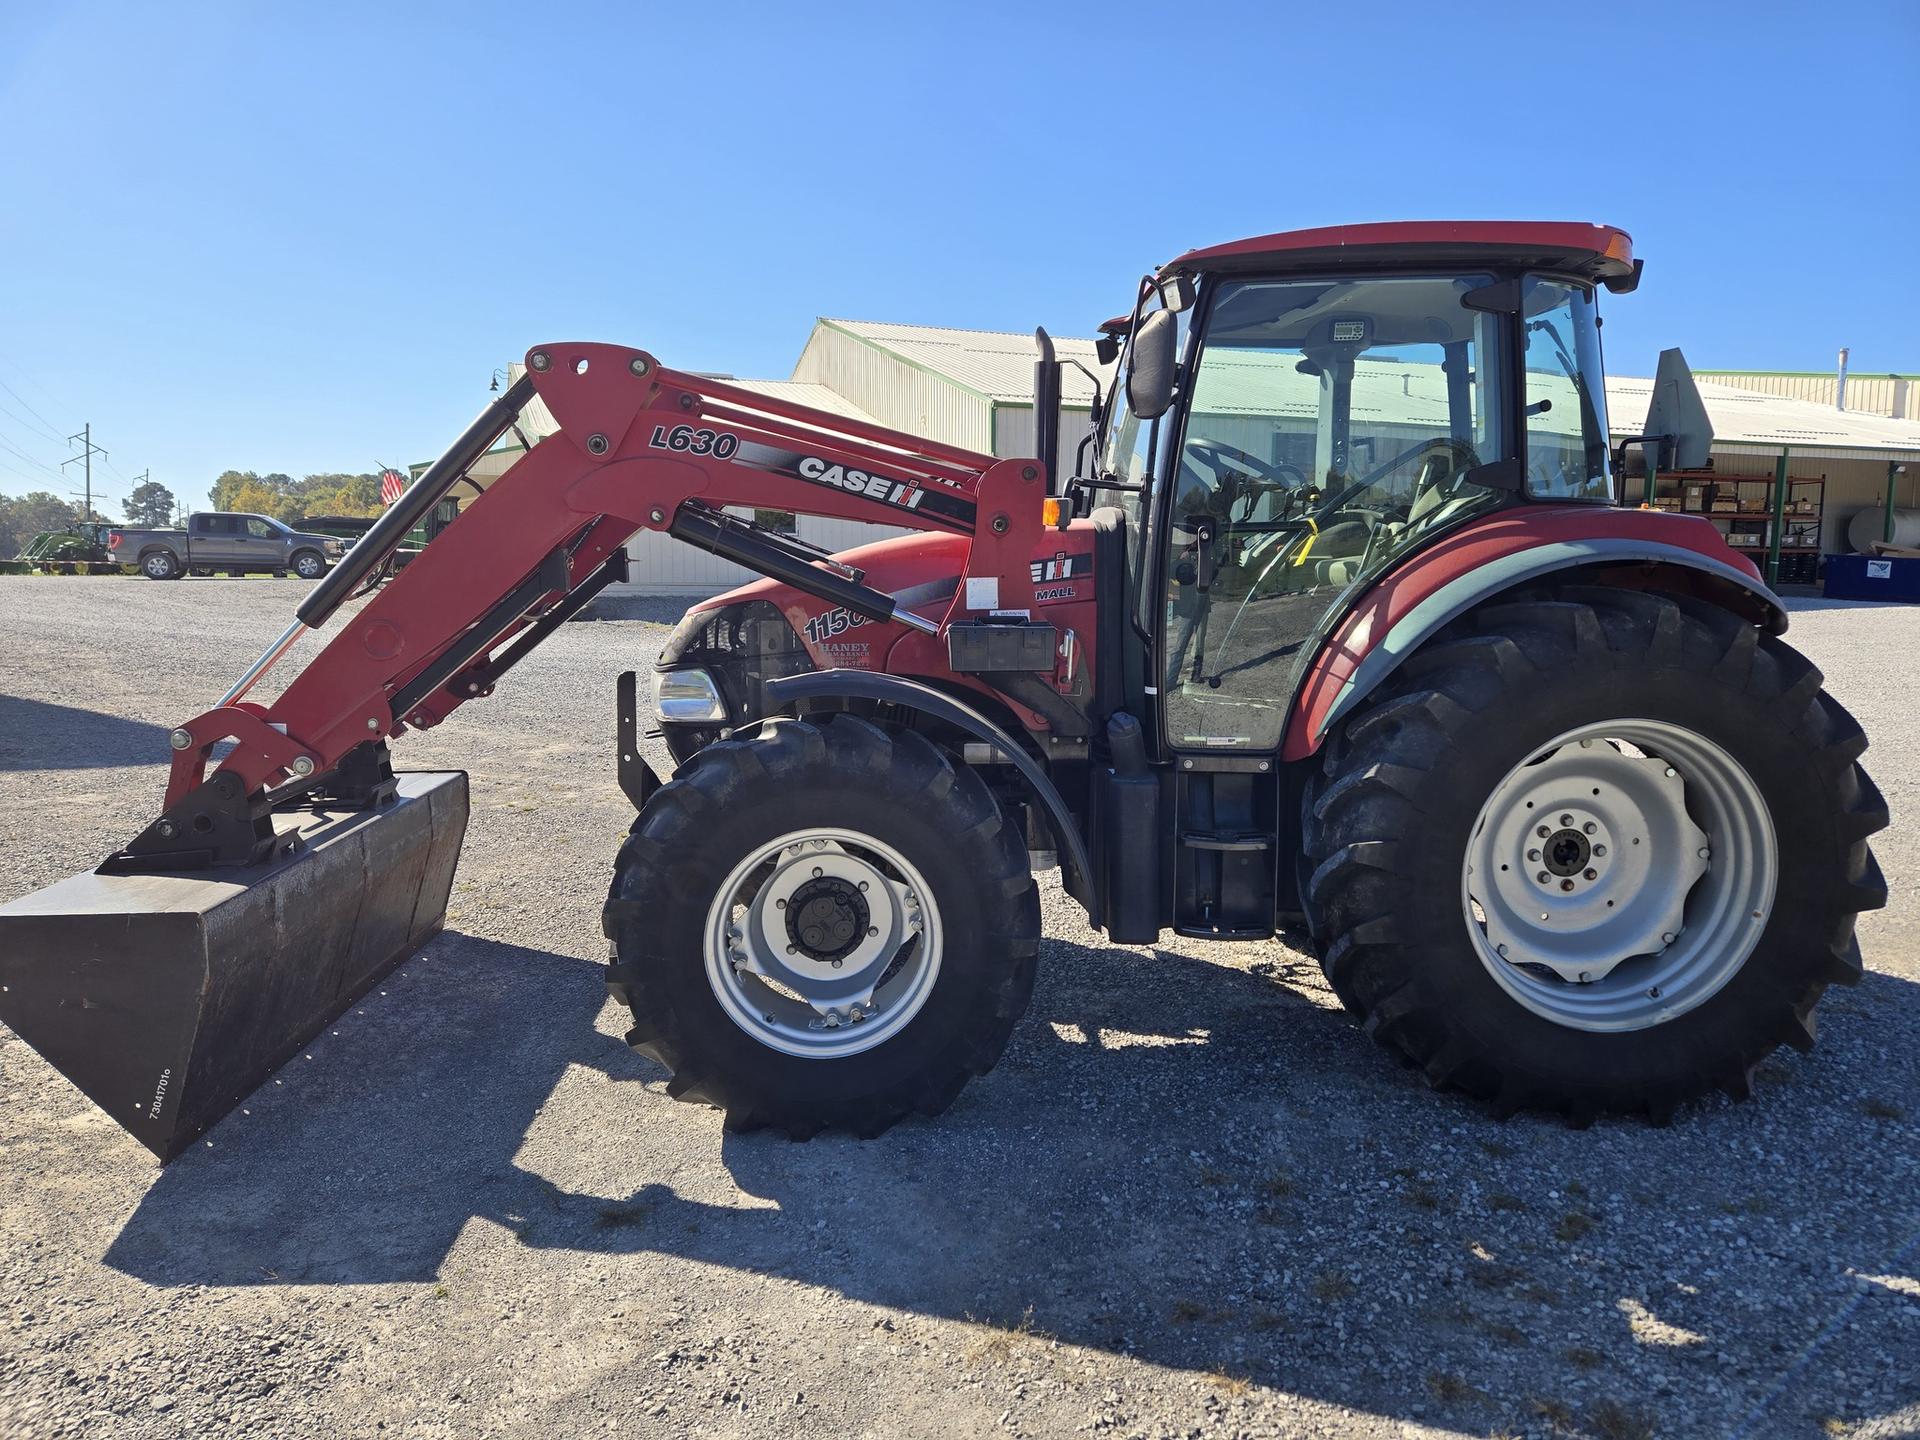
<point>1334,628</point>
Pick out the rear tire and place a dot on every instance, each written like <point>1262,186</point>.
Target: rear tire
<point>160,565</point>
<point>1406,793</point>
<point>731,822</point>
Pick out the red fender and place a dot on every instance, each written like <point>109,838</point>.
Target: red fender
<point>1438,584</point>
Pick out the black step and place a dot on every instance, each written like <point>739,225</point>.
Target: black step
<point>1209,840</point>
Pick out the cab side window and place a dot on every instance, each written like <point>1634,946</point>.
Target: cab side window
<point>1566,409</point>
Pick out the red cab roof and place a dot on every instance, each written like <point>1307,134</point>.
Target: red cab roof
<point>1599,252</point>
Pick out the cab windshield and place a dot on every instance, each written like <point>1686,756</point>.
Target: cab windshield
<point>1331,426</point>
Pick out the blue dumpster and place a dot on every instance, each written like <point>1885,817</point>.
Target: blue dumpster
<point>1866,577</point>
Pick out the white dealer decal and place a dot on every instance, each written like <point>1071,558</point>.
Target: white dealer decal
<point>859,482</point>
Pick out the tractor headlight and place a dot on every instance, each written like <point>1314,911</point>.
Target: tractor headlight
<point>688,696</point>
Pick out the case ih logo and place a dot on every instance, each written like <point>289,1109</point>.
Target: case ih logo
<point>876,487</point>
<point>1061,567</point>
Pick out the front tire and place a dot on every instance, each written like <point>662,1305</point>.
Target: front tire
<point>827,925</point>
<point>1572,974</point>
<point>309,565</point>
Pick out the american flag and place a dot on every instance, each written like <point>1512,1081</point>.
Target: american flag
<point>392,486</point>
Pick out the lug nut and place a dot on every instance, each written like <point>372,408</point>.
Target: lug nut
<point>779,904</point>
<point>1566,820</point>
<point>873,929</point>
<point>1566,884</point>
<point>1543,832</point>
<point>1534,855</point>
<point>1666,939</point>
<point>1705,853</point>
<point>1671,772</point>
<point>1585,976</point>
<point>1544,877</point>
<point>1501,950</point>
<point>1593,874</point>
<point>1589,828</point>
<point>1600,850</point>
<point>793,949</point>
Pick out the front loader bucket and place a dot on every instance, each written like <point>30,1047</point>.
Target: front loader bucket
<point>168,998</point>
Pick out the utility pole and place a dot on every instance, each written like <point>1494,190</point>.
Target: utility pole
<point>87,451</point>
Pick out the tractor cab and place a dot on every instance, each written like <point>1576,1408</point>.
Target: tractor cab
<point>1297,413</point>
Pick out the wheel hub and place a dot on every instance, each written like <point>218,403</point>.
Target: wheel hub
<point>1593,893</point>
<point>822,943</point>
<point>1566,852</point>
<point>826,918</point>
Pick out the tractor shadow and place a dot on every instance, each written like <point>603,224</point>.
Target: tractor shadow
<point>1197,1165</point>
<point>38,735</point>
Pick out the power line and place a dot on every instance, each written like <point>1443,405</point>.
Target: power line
<point>41,429</point>
<point>53,430</point>
<point>87,451</point>
<point>37,464</point>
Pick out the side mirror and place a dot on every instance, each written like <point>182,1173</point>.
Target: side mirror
<point>1150,368</point>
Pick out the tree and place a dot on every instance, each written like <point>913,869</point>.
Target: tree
<point>150,504</point>
<point>223,490</point>
<point>26,516</point>
<point>286,498</point>
<point>256,497</point>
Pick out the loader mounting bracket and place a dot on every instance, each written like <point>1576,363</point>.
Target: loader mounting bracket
<point>363,780</point>
<point>217,824</point>
<point>636,775</point>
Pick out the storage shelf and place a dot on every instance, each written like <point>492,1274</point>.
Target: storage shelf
<point>1692,492</point>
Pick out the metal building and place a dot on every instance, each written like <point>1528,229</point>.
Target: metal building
<point>974,388</point>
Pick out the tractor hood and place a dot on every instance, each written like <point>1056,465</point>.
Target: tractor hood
<point>921,570</point>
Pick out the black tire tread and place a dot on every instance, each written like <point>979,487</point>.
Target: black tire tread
<point>909,770</point>
<point>1369,783</point>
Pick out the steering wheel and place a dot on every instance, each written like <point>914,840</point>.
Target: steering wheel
<point>1460,457</point>
<point>1224,458</point>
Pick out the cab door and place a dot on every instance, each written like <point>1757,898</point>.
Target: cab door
<point>1327,428</point>
<point>214,540</point>
<point>263,544</point>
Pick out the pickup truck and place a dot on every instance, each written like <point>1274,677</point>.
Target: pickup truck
<point>221,540</point>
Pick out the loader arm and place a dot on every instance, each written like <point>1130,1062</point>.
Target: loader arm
<point>638,447</point>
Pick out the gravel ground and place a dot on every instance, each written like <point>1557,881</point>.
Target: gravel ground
<point>1192,1201</point>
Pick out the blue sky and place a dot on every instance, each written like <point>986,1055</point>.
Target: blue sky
<point>299,238</point>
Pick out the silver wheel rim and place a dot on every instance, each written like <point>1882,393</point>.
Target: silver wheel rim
<point>156,566</point>
<point>823,943</point>
<point>1621,876</point>
<point>308,567</point>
